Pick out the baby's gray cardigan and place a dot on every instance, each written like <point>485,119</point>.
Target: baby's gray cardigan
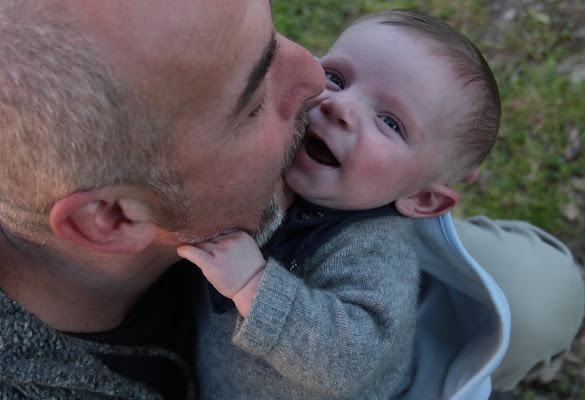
<point>340,326</point>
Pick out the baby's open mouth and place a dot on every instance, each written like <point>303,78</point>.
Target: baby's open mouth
<point>318,151</point>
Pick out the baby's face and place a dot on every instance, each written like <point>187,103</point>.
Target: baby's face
<point>379,126</point>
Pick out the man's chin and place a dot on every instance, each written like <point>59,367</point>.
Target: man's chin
<point>272,217</point>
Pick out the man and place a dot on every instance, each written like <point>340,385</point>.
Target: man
<point>129,127</point>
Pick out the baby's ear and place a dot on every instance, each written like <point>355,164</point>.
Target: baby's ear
<point>433,201</point>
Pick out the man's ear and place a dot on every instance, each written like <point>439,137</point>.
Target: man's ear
<point>433,201</point>
<point>104,220</point>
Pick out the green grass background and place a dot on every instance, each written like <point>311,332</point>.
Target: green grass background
<point>537,169</point>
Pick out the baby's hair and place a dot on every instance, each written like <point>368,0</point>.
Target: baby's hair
<point>472,138</point>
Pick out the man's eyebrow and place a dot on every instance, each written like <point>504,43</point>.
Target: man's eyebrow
<point>258,73</point>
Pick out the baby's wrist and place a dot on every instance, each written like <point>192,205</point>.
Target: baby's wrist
<point>244,298</point>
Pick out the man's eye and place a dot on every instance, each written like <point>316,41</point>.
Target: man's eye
<point>335,79</point>
<point>259,108</point>
<point>391,123</point>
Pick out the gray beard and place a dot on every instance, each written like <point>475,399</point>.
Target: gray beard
<point>272,218</point>
<point>273,215</point>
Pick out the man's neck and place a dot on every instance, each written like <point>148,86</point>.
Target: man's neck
<point>75,291</point>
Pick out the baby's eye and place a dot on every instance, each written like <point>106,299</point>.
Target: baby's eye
<point>391,123</point>
<point>335,79</point>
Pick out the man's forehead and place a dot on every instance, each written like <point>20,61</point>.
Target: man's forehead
<point>172,44</point>
<point>144,32</point>
<point>147,24</point>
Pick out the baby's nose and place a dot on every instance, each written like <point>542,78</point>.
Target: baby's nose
<point>340,109</point>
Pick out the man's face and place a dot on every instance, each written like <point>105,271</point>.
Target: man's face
<point>232,87</point>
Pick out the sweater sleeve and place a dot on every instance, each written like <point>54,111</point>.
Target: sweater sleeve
<point>346,318</point>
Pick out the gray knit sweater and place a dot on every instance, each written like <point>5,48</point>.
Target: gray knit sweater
<point>37,362</point>
<point>340,326</point>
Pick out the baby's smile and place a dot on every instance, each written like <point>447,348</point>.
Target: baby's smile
<point>318,151</point>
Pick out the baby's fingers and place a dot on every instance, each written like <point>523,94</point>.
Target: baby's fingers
<point>196,255</point>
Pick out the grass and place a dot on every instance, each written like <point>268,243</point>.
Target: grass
<point>537,169</point>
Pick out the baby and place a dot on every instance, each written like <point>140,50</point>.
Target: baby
<point>410,108</point>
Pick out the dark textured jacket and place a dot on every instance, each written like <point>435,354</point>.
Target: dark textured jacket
<point>37,362</point>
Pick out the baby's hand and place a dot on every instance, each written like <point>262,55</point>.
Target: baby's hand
<point>232,263</point>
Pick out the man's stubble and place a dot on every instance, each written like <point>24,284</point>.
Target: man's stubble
<point>272,215</point>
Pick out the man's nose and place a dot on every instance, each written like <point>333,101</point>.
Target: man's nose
<point>305,74</point>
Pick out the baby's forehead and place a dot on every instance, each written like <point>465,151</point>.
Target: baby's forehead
<point>372,32</point>
<point>364,43</point>
<point>407,30</point>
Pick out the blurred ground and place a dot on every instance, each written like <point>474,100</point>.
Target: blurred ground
<point>566,379</point>
<point>561,16</point>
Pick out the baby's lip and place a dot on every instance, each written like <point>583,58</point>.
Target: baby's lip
<point>318,150</point>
